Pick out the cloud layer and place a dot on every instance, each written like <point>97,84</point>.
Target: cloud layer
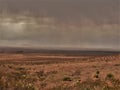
<point>76,24</point>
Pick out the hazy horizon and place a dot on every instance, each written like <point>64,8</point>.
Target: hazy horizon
<point>62,24</point>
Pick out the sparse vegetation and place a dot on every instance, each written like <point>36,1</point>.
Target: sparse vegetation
<point>80,75</point>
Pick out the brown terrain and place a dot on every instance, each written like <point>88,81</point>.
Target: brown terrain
<point>35,71</point>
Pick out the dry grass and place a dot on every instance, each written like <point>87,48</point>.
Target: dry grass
<point>59,72</point>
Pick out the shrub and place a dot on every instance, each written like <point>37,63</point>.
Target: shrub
<point>67,79</point>
<point>96,76</point>
<point>97,72</point>
<point>109,76</point>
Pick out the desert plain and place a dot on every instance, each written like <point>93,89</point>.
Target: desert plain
<point>37,71</point>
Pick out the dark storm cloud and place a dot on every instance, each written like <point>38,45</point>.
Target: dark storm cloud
<point>60,23</point>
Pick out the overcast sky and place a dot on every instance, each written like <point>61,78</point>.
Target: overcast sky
<point>67,24</point>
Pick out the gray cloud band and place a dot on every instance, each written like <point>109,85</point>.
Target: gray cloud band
<point>51,28</point>
<point>36,34</point>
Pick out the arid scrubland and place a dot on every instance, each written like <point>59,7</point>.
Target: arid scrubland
<point>59,72</point>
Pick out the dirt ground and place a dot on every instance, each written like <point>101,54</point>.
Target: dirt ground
<point>57,72</point>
